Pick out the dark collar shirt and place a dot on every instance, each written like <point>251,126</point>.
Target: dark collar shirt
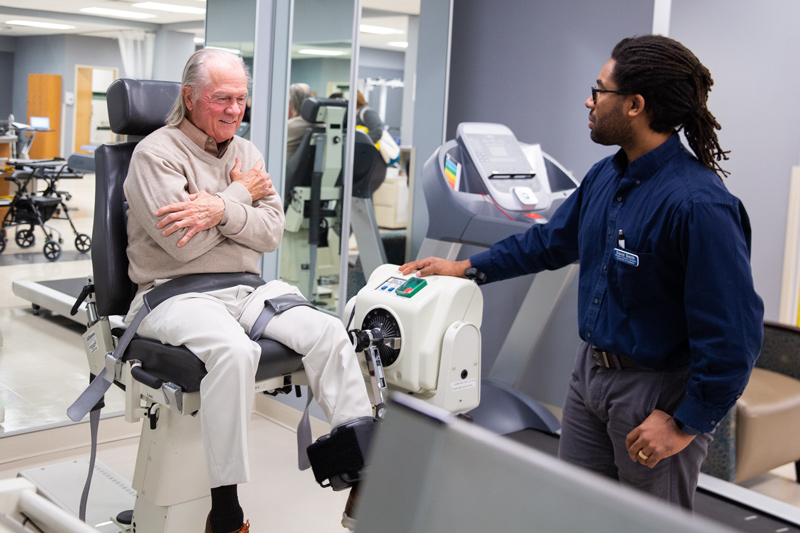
<point>679,292</point>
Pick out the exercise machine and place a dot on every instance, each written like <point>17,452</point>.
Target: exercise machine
<point>481,187</point>
<point>419,336</point>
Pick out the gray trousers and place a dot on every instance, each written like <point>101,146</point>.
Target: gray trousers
<point>603,405</point>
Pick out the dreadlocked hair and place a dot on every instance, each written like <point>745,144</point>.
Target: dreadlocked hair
<point>675,87</point>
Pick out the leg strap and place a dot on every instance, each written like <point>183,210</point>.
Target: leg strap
<point>276,306</point>
<point>338,459</point>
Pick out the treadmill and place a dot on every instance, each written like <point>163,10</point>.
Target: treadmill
<point>58,295</point>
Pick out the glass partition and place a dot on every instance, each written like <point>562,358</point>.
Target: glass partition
<point>314,185</point>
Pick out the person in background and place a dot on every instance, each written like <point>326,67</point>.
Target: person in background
<point>297,125</point>
<point>369,121</point>
<point>670,321</point>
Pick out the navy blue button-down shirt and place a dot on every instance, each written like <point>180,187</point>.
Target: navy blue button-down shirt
<point>682,290</point>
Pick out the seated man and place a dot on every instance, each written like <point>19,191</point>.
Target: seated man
<point>297,125</point>
<point>193,209</point>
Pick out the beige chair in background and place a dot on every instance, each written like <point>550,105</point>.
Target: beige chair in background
<point>762,431</point>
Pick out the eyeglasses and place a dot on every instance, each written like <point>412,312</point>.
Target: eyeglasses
<point>595,90</point>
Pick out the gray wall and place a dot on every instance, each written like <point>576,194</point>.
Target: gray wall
<point>6,84</point>
<point>322,21</point>
<point>172,50</point>
<point>317,72</point>
<point>752,51</point>
<point>59,54</point>
<point>530,65</point>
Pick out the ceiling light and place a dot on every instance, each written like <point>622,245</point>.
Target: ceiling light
<point>116,13</point>
<point>36,24</point>
<point>318,52</point>
<point>199,40</point>
<point>172,8</point>
<point>379,30</point>
<point>398,44</point>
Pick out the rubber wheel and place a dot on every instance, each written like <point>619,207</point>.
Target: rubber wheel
<point>3,241</point>
<point>83,243</point>
<point>52,250</point>
<point>25,238</point>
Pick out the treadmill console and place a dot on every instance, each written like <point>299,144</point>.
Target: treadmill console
<point>511,176</point>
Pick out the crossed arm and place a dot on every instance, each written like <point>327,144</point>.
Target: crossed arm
<point>203,211</point>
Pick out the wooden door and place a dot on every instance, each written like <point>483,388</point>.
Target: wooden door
<point>44,100</point>
<point>83,109</point>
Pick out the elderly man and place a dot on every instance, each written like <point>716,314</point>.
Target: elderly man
<point>193,208</point>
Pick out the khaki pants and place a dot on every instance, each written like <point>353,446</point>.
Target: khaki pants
<point>215,327</point>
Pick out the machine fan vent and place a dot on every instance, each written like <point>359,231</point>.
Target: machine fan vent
<point>384,321</point>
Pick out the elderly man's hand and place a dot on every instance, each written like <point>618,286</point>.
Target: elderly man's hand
<point>202,211</point>
<point>255,180</point>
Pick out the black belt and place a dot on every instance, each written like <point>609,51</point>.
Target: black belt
<point>614,361</point>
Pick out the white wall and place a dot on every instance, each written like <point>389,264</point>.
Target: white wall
<point>753,52</point>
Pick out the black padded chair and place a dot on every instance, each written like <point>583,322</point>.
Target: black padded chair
<point>137,108</point>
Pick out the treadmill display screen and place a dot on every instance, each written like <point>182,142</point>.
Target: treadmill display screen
<point>499,156</point>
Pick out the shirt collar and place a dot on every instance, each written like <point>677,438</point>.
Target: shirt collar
<point>203,141</point>
<point>645,166</point>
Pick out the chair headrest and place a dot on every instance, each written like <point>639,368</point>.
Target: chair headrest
<point>310,108</point>
<point>140,107</point>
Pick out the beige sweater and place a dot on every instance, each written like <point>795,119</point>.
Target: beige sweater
<point>167,166</point>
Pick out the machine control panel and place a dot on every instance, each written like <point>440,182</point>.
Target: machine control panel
<point>512,175</point>
<point>402,287</point>
<point>495,151</point>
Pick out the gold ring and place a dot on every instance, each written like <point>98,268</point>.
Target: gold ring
<point>642,456</point>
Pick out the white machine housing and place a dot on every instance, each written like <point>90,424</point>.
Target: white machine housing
<point>440,352</point>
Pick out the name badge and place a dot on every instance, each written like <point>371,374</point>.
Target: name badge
<point>626,257</point>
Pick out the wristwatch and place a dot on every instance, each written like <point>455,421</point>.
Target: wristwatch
<point>475,275</point>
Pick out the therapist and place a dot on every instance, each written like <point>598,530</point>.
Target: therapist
<point>669,319</point>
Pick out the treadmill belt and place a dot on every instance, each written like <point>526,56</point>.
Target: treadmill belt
<point>70,287</point>
<point>708,504</point>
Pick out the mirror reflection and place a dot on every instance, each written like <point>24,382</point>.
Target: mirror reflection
<point>313,186</point>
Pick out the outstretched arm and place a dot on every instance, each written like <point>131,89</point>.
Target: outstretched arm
<point>435,265</point>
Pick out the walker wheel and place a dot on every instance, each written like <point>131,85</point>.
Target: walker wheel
<point>25,238</point>
<point>52,250</point>
<point>83,243</point>
<point>3,241</point>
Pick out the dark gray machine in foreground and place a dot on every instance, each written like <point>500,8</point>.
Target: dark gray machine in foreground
<point>446,475</point>
<point>482,187</point>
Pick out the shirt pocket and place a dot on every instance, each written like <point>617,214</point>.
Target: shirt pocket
<point>637,284</point>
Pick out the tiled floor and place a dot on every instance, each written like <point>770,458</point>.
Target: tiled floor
<point>42,362</point>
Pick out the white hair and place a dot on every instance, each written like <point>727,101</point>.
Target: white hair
<point>195,75</point>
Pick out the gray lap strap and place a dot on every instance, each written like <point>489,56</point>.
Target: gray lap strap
<point>272,307</point>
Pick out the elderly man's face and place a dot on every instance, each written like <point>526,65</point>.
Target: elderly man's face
<point>219,108</point>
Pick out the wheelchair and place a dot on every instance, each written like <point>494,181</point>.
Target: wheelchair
<point>34,209</point>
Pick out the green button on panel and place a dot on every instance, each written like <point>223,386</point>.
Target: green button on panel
<point>411,287</point>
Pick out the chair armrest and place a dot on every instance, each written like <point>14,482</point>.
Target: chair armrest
<point>781,349</point>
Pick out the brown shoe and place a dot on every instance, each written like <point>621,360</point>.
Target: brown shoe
<point>349,514</point>
<point>244,529</point>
